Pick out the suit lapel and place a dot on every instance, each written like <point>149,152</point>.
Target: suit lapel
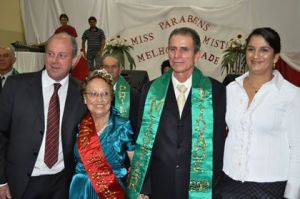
<point>70,114</point>
<point>35,94</point>
<point>187,106</point>
<point>171,99</point>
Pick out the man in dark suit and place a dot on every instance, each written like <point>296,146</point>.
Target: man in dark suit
<point>7,60</point>
<point>179,150</point>
<point>24,113</point>
<point>126,98</point>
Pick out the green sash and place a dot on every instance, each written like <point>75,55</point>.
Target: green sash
<point>201,170</point>
<point>14,72</point>
<point>122,98</point>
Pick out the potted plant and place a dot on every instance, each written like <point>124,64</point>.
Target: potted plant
<point>234,59</point>
<point>121,48</point>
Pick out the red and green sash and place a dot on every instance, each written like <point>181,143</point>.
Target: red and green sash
<point>97,167</point>
<point>201,169</point>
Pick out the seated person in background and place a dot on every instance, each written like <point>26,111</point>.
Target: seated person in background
<point>104,146</point>
<point>64,19</point>
<point>7,60</point>
<point>165,66</point>
<point>126,98</point>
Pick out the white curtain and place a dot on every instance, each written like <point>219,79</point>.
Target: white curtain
<point>40,17</point>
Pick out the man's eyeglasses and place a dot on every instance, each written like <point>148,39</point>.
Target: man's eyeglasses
<point>60,55</point>
<point>93,95</point>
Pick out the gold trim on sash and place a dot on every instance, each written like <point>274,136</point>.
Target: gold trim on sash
<point>98,169</point>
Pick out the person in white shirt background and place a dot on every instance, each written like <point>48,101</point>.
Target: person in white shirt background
<point>262,150</point>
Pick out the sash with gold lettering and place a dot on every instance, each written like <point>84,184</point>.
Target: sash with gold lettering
<point>122,99</point>
<point>201,169</point>
<point>97,167</point>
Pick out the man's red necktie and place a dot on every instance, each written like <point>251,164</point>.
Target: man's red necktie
<point>52,133</point>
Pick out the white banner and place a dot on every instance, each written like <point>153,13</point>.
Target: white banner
<point>150,41</point>
<point>148,24</point>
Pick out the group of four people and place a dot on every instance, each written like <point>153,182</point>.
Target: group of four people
<point>178,153</point>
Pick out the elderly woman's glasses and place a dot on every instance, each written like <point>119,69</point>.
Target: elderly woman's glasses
<point>93,95</point>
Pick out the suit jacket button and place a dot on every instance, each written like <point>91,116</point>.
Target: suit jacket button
<point>177,166</point>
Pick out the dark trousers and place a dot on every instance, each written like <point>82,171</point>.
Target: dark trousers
<point>233,189</point>
<point>48,187</point>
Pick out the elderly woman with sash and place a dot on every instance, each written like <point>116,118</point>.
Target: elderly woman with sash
<point>104,143</point>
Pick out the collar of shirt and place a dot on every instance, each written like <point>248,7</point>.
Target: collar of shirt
<point>6,76</point>
<point>187,83</point>
<point>277,79</point>
<point>94,29</point>
<point>48,81</point>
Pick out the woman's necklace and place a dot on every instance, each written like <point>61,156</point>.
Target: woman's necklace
<point>101,123</point>
<point>101,130</point>
<point>256,89</point>
<point>101,127</point>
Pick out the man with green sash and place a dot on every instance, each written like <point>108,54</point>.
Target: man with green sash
<point>179,150</point>
<point>126,98</point>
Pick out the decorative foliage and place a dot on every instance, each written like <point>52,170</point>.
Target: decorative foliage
<point>234,59</point>
<point>121,48</point>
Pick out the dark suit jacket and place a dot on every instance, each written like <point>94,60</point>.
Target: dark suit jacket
<point>22,127</point>
<point>169,171</point>
<point>14,72</point>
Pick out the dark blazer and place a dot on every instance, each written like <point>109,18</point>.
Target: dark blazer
<point>22,127</point>
<point>169,171</point>
<point>14,72</point>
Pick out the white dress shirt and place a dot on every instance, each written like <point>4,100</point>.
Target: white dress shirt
<point>263,143</point>
<point>40,168</point>
<point>187,84</point>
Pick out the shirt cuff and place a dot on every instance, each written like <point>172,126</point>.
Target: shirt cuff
<point>292,191</point>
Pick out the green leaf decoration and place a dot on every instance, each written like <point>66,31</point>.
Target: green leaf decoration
<point>234,58</point>
<point>121,48</point>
